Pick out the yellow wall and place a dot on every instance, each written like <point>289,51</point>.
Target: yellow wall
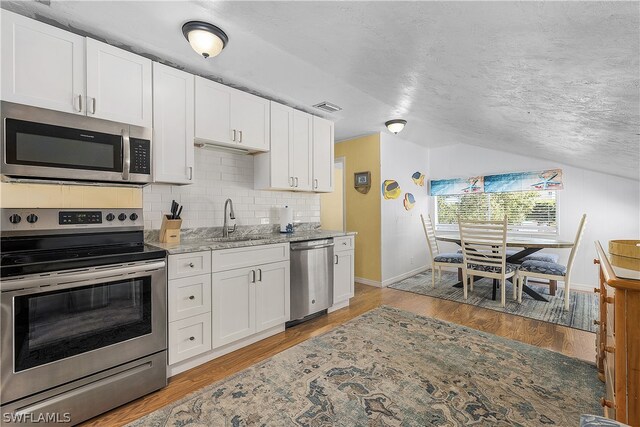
<point>21,195</point>
<point>332,204</point>
<point>363,210</point>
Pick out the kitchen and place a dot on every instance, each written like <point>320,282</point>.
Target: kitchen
<point>162,219</point>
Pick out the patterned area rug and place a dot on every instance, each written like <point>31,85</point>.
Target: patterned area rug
<point>392,368</point>
<point>583,306</point>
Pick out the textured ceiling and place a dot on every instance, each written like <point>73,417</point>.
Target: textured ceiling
<point>554,80</point>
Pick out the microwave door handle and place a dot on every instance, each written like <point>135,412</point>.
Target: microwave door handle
<point>126,154</point>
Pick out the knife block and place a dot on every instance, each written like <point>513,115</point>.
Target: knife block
<point>170,230</point>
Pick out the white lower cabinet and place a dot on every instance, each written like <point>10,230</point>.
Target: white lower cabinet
<point>222,300</point>
<point>343,269</point>
<point>189,337</point>
<point>249,300</point>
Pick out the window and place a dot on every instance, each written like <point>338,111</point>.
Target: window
<point>528,212</point>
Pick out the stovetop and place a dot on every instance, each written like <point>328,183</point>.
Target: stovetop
<point>68,240</point>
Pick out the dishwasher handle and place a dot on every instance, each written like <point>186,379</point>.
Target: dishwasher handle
<point>307,247</point>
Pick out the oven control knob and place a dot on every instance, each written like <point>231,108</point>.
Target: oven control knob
<point>122,217</point>
<point>133,216</point>
<point>110,217</point>
<point>32,218</point>
<point>15,218</point>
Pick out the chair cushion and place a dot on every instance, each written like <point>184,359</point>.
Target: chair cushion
<point>544,267</point>
<point>450,258</point>
<point>539,256</point>
<point>478,267</point>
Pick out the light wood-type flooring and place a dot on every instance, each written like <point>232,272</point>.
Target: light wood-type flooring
<point>572,342</point>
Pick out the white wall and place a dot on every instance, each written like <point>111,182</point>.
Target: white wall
<point>612,204</point>
<point>404,247</point>
<point>220,175</point>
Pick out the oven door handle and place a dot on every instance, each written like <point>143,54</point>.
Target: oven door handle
<point>126,154</point>
<point>72,279</point>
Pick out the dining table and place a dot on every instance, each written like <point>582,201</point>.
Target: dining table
<point>526,246</point>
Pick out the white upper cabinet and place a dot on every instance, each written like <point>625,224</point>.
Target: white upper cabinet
<point>291,163</point>
<point>302,154</point>
<point>229,117</point>
<point>42,65</point>
<point>213,112</point>
<point>47,67</point>
<point>118,85</point>
<point>323,146</point>
<point>173,127</point>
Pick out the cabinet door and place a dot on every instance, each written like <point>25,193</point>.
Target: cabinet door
<point>322,155</point>
<point>213,112</point>
<point>302,150</point>
<point>281,146</point>
<point>118,85</point>
<point>272,295</point>
<point>233,305</point>
<point>250,119</point>
<point>42,65</point>
<point>173,105</point>
<point>343,276</point>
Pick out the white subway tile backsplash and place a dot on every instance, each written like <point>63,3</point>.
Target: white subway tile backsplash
<point>219,175</point>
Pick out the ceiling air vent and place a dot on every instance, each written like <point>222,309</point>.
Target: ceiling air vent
<point>328,107</point>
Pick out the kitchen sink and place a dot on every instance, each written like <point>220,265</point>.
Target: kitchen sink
<point>238,239</point>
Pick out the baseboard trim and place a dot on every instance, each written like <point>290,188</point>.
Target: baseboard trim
<point>403,276</point>
<point>368,282</point>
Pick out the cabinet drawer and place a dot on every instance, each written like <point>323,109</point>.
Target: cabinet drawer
<point>189,337</point>
<point>229,259</point>
<point>343,243</point>
<point>190,264</point>
<point>189,297</point>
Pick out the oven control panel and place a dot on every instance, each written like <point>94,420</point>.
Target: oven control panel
<point>14,221</point>
<point>75,217</point>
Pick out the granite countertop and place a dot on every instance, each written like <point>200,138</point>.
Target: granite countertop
<point>207,242</point>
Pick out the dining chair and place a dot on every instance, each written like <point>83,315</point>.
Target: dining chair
<point>438,260</point>
<point>552,270</point>
<point>484,250</point>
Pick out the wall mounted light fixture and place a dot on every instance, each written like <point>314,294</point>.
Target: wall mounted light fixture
<point>396,125</point>
<point>206,39</point>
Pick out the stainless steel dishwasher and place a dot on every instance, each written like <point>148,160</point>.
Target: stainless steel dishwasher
<point>311,279</point>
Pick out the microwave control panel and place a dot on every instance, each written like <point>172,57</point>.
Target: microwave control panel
<point>140,156</point>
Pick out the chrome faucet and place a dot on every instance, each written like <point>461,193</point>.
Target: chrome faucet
<point>232,215</point>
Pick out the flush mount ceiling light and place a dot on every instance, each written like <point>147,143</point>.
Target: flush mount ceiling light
<point>396,125</point>
<point>206,39</point>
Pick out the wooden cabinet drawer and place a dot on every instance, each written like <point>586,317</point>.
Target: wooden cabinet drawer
<point>229,259</point>
<point>610,384</point>
<point>189,337</point>
<point>345,243</point>
<point>189,264</point>
<point>189,297</point>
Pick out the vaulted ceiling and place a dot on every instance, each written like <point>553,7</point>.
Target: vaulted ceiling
<point>552,80</point>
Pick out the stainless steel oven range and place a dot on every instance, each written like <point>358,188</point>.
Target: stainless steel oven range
<point>83,313</point>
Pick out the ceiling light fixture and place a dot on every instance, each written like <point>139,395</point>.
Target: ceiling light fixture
<point>395,126</point>
<point>206,39</point>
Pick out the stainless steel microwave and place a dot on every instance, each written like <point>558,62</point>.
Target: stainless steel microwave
<point>46,144</point>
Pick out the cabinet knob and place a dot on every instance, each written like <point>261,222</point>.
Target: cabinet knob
<point>596,322</point>
<point>596,290</point>
<point>609,300</point>
<point>192,297</point>
<point>596,261</point>
<point>192,338</point>
<point>191,265</point>
<point>609,349</point>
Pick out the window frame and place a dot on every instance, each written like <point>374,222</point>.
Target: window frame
<point>452,228</point>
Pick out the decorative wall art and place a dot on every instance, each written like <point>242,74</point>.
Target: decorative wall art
<point>390,189</point>
<point>519,181</point>
<point>418,178</point>
<point>409,201</point>
<point>362,182</point>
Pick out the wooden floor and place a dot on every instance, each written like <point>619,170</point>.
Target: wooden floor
<point>572,342</point>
